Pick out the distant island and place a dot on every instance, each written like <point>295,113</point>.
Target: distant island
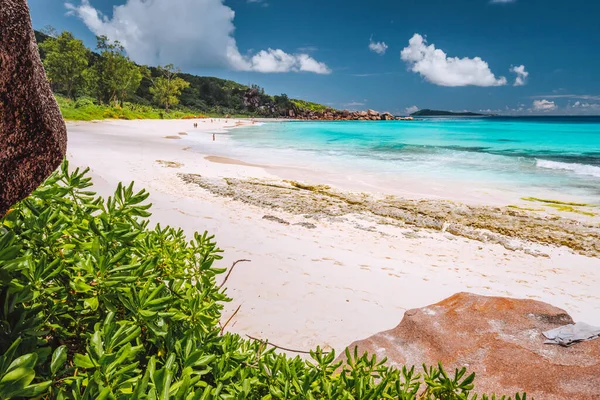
<point>439,113</point>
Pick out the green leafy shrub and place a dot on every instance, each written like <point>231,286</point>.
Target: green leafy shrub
<point>307,105</point>
<point>84,102</point>
<point>84,109</point>
<point>97,305</point>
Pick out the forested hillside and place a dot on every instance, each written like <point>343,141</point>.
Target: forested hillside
<point>88,81</point>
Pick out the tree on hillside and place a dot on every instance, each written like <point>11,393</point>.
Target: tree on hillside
<point>117,76</point>
<point>167,88</point>
<point>49,30</point>
<point>66,59</point>
<point>282,101</point>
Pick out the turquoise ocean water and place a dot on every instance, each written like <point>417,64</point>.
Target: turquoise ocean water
<point>549,154</point>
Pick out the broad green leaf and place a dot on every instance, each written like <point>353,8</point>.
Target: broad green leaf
<point>199,358</point>
<point>83,361</point>
<point>34,390</point>
<point>92,303</point>
<point>59,357</point>
<point>105,394</point>
<point>148,314</point>
<point>80,286</point>
<point>27,361</point>
<point>15,380</point>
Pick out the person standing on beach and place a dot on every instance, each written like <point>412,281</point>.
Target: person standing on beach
<point>213,137</point>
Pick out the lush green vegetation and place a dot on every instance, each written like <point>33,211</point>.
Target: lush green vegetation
<point>118,88</point>
<point>66,62</point>
<point>96,304</point>
<point>86,109</point>
<point>307,105</point>
<point>113,77</point>
<point>167,88</point>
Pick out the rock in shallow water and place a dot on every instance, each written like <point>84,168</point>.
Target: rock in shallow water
<point>500,339</point>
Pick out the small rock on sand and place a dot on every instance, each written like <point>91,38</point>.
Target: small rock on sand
<point>307,225</point>
<point>411,235</point>
<point>170,164</point>
<point>275,219</point>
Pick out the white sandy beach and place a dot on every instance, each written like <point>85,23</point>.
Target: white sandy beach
<point>327,286</point>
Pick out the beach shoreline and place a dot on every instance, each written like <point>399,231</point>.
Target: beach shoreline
<point>429,160</point>
<point>321,281</point>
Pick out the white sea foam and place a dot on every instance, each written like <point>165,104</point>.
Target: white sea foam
<point>579,169</point>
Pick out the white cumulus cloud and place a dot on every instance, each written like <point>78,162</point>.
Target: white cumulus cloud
<point>436,67</point>
<point>378,47</point>
<point>521,75</point>
<point>569,96</point>
<point>543,105</point>
<point>279,61</point>
<point>263,3</point>
<point>590,106</point>
<point>411,109</point>
<point>187,33</point>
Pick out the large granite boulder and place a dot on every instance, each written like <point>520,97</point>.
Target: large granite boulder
<point>33,136</point>
<point>252,99</point>
<point>499,339</point>
<point>386,116</point>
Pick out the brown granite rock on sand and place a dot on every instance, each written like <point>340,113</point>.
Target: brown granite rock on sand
<point>500,339</point>
<point>33,136</point>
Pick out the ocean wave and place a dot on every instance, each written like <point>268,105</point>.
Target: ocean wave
<point>579,169</point>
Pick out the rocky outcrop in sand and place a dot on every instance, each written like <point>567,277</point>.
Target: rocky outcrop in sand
<point>33,135</point>
<point>499,339</point>
<point>509,227</point>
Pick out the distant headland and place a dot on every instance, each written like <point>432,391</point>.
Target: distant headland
<point>439,113</point>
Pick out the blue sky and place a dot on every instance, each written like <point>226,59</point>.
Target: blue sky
<point>357,54</point>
